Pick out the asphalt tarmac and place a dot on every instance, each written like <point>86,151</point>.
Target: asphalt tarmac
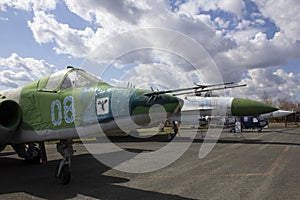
<point>257,166</point>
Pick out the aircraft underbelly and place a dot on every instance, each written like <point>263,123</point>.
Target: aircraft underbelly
<point>116,126</point>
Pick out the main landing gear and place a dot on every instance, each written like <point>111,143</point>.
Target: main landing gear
<point>34,153</point>
<point>31,153</point>
<point>62,171</point>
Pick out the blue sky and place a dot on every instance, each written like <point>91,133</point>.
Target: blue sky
<point>18,37</point>
<point>245,38</point>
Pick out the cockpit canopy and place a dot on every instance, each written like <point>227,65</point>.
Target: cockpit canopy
<point>71,78</point>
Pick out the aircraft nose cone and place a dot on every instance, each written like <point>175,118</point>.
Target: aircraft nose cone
<point>246,107</point>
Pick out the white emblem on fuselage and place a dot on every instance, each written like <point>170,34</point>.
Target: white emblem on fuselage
<point>102,106</point>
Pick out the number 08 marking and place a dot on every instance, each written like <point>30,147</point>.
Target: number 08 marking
<point>56,105</point>
<point>69,111</point>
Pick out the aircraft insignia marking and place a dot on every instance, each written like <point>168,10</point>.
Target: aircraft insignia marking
<point>102,106</point>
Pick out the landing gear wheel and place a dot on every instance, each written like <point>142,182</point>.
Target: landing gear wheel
<point>62,171</point>
<point>64,177</point>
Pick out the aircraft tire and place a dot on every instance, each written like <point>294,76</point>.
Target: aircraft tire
<point>64,177</point>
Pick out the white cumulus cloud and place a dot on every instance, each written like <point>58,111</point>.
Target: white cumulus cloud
<point>16,71</point>
<point>277,84</point>
<point>28,5</point>
<point>237,40</point>
<point>45,29</point>
<point>284,13</point>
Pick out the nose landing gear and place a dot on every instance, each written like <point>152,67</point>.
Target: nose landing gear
<point>62,171</point>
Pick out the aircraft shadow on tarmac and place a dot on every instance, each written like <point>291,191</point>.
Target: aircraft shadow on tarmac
<point>87,180</point>
<point>288,133</point>
<point>164,139</point>
<point>245,141</point>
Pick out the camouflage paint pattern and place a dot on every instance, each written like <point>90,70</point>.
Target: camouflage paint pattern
<point>59,109</point>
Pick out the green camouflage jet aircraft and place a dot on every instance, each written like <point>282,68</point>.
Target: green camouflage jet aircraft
<point>53,107</point>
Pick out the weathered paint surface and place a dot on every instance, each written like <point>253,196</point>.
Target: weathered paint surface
<point>218,106</point>
<point>57,107</point>
<point>247,107</point>
<point>222,106</point>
